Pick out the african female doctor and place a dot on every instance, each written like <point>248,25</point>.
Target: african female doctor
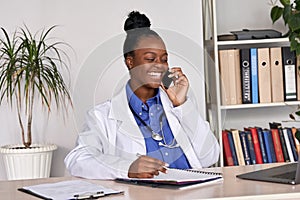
<point>147,127</point>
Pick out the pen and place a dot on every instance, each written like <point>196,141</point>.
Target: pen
<point>89,195</point>
<point>138,155</point>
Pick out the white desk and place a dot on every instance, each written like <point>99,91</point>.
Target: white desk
<point>231,188</point>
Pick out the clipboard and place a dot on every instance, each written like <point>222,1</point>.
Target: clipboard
<point>74,190</point>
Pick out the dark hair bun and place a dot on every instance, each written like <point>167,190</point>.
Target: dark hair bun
<point>136,20</point>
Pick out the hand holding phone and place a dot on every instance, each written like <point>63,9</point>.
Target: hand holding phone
<point>178,91</point>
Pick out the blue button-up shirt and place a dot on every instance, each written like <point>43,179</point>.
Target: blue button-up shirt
<point>152,114</point>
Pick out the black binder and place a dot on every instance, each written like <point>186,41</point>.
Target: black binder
<point>289,74</point>
<point>246,76</point>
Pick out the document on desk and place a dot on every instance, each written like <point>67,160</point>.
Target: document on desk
<point>177,179</point>
<point>73,189</point>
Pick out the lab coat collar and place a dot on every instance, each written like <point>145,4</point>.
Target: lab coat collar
<point>120,111</point>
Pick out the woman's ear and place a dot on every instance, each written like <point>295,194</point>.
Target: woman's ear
<point>129,62</point>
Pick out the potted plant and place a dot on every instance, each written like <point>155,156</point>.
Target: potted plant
<point>29,75</point>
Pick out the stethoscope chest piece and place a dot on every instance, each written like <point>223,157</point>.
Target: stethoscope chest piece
<point>156,136</point>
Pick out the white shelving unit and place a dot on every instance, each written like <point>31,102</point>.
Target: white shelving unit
<point>243,115</point>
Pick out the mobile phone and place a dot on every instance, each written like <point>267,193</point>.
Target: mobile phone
<point>166,80</point>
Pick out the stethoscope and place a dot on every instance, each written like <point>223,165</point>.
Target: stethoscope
<point>156,136</point>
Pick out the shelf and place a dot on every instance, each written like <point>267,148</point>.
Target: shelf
<point>253,43</point>
<point>259,105</point>
<point>220,19</point>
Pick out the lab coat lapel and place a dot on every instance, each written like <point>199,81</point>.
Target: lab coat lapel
<point>178,132</point>
<point>127,124</point>
<point>173,121</point>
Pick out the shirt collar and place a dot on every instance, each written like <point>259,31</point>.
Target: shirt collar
<point>136,103</point>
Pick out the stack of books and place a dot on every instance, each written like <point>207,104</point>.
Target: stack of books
<point>256,145</point>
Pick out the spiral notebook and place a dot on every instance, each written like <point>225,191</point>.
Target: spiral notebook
<point>177,179</point>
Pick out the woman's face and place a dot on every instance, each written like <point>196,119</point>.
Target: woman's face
<point>149,63</point>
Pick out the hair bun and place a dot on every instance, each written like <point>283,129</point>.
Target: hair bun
<point>136,20</point>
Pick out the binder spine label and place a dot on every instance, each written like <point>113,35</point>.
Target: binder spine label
<point>290,82</point>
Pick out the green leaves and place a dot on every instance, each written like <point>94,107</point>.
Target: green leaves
<point>294,38</point>
<point>285,2</point>
<point>276,13</point>
<point>30,69</point>
<point>290,13</point>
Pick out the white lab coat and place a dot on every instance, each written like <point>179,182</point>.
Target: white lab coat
<point>111,139</point>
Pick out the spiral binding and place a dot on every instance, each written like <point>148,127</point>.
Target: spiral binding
<point>202,172</point>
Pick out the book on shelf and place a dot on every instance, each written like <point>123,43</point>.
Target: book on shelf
<point>283,145</point>
<point>232,148</point>
<point>245,147</point>
<point>238,146</point>
<point>292,143</point>
<point>288,145</point>
<point>277,145</point>
<point>276,74</point>
<point>226,147</point>
<point>264,75</point>
<point>251,147</point>
<point>289,74</point>
<point>297,143</point>
<point>275,125</point>
<point>256,145</point>
<point>262,144</point>
<point>270,151</point>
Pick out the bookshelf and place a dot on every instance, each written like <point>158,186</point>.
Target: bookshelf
<point>220,18</point>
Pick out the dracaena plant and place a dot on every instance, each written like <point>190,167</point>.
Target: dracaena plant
<point>289,11</point>
<point>30,74</point>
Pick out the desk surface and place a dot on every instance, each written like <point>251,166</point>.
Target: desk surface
<point>231,188</point>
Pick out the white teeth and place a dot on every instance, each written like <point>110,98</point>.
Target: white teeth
<point>154,73</point>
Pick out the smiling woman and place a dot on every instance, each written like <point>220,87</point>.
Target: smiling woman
<point>147,66</point>
<point>145,118</point>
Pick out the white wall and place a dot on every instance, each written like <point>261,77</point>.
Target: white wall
<point>94,29</point>
<point>235,15</point>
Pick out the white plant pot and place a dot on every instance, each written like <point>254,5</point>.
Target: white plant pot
<point>30,163</point>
